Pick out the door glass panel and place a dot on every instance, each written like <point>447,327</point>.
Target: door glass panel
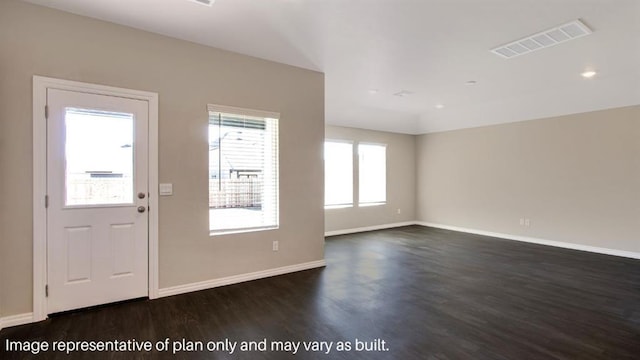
<point>98,157</point>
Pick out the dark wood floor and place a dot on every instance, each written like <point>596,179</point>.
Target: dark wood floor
<point>428,293</point>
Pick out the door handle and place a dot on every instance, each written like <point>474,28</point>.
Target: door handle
<point>141,195</point>
<point>141,209</point>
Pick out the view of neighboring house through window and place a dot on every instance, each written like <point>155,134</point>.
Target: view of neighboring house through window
<point>338,174</point>
<point>372,172</point>
<point>243,169</point>
<point>99,156</point>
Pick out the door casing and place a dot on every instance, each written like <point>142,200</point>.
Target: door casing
<point>40,86</point>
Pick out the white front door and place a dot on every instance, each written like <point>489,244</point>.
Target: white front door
<point>97,186</point>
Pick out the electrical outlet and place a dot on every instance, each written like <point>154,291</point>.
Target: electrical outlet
<point>399,211</point>
<point>527,222</point>
<point>521,221</point>
<point>275,245</point>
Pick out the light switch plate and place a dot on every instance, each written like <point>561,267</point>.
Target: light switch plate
<point>166,189</point>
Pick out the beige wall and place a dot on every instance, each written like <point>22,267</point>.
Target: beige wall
<point>400,181</point>
<point>40,41</point>
<point>576,177</point>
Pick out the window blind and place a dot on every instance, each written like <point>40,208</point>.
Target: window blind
<point>243,169</point>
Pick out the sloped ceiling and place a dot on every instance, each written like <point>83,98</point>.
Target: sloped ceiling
<point>427,49</point>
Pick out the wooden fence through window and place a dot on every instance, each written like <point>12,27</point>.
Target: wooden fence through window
<point>244,192</point>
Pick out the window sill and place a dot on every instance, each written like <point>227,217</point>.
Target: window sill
<point>241,231</point>
<point>329,207</point>
<point>372,204</point>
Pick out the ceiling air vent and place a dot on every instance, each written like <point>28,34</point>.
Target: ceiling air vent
<point>204,2</point>
<point>559,34</point>
<point>403,93</point>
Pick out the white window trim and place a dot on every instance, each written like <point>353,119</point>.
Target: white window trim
<point>371,204</point>
<point>345,141</point>
<point>373,143</point>
<point>242,111</point>
<point>225,109</point>
<point>338,206</point>
<point>242,230</point>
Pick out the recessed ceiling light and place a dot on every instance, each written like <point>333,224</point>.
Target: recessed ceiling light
<point>373,91</point>
<point>471,82</point>
<point>588,74</point>
<point>439,106</point>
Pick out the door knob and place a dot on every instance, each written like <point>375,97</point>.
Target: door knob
<point>141,209</point>
<point>141,195</point>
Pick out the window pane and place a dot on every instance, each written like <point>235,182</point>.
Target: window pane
<point>338,174</point>
<point>372,173</point>
<point>98,157</point>
<point>243,172</point>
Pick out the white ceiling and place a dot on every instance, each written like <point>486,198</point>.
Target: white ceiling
<point>427,47</point>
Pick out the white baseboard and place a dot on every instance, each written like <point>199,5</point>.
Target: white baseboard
<point>566,245</point>
<point>208,284</point>
<point>368,228</point>
<point>20,319</point>
<point>15,320</point>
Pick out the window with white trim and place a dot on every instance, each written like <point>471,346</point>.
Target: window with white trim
<point>338,174</point>
<point>243,169</point>
<point>372,174</point>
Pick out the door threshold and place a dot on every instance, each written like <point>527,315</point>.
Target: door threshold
<point>97,307</point>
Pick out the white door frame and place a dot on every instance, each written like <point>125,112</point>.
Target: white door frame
<point>40,86</point>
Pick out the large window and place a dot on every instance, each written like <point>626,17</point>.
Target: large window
<point>243,169</point>
<point>338,174</point>
<point>372,174</point>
